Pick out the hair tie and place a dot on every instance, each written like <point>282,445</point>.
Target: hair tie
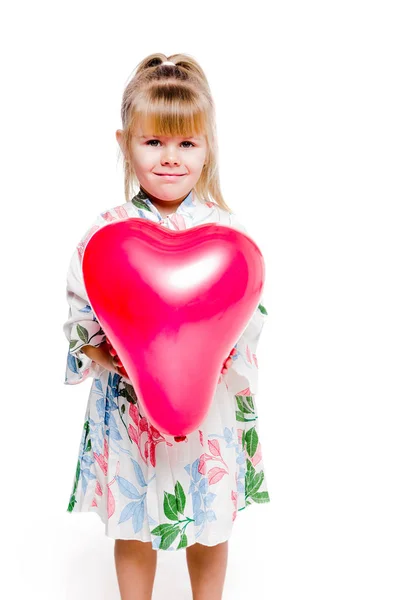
<point>168,62</point>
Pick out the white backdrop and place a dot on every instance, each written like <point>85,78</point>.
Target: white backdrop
<point>307,100</point>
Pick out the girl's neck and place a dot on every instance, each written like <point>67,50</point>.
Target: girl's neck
<point>165,207</point>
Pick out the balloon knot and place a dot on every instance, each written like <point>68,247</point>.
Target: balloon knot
<point>180,438</point>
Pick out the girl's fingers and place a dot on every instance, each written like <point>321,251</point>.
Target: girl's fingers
<point>226,365</point>
<point>122,372</point>
<point>110,348</point>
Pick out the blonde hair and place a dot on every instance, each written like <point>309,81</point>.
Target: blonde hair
<point>174,100</point>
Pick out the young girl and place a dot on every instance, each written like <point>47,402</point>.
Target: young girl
<point>153,491</point>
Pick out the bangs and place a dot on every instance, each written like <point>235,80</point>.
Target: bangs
<point>165,113</point>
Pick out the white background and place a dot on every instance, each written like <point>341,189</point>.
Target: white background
<point>307,100</point>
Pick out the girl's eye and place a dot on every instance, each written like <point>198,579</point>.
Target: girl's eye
<point>149,142</point>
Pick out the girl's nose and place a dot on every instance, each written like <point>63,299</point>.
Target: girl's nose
<point>170,160</point>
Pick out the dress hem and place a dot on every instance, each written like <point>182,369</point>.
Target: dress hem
<point>91,509</point>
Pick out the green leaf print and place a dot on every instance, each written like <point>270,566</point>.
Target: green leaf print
<point>72,503</point>
<point>251,441</point>
<point>180,498</point>
<point>262,309</point>
<point>241,405</point>
<point>73,500</point>
<point>163,529</point>
<point>170,506</point>
<point>128,392</point>
<point>140,203</point>
<point>255,484</point>
<point>86,448</point>
<point>250,402</point>
<point>184,541</point>
<point>240,417</point>
<point>260,497</point>
<point>77,474</point>
<point>249,476</point>
<point>167,539</point>
<point>83,333</point>
<point>72,343</point>
<point>249,468</point>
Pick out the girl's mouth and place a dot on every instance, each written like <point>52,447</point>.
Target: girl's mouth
<point>170,177</point>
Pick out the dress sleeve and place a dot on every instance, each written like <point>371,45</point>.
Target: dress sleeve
<point>81,327</point>
<point>245,364</point>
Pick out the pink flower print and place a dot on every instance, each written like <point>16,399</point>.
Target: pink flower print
<point>234,496</point>
<point>155,438</point>
<point>99,458</point>
<point>215,475</point>
<point>257,456</point>
<point>82,245</point>
<point>102,459</point>
<point>201,437</point>
<point>240,436</point>
<point>134,413</point>
<point>153,454</point>
<point>202,464</point>
<point>107,216</point>
<point>98,489</point>
<point>245,392</point>
<point>214,447</point>
<point>249,355</point>
<point>133,434</point>
<point>143,425</point>
<point>155,435</point>
<point>255,360</point>
<point>110,502</point>
<point>110,496</point>
<point>139,427</point>
<point>121,212</point>
<point>178,221</point>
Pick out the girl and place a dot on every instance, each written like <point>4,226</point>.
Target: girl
<point>152,491</point>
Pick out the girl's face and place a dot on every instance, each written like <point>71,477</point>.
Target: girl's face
<point>166,167</point>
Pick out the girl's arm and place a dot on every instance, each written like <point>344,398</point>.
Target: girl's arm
<point>102,356</point>
<point>81,329</point>
<point>245,362</point>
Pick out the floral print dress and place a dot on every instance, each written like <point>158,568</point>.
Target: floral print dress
<point>148,486</point>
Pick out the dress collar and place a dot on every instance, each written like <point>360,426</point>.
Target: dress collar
<point>186,207</point>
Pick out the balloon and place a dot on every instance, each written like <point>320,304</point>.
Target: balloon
<point>173,304</point>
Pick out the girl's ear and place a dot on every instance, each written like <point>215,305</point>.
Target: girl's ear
<point>119,138</point>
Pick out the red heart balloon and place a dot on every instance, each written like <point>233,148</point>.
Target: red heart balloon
<point>173,304</point>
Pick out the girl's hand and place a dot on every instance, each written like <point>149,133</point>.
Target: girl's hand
<point>119,368</point>
<point>115,361</point>
<point>228,361</point>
